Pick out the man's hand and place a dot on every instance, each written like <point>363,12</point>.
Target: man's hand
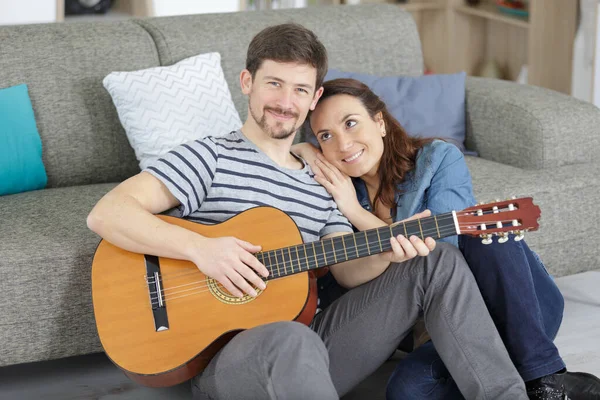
<point>231,262</point>
<point>404,249</point>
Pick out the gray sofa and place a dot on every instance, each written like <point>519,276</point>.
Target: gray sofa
<point>531,141</point>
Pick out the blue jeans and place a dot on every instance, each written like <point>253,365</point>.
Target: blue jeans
<point>525,304</point>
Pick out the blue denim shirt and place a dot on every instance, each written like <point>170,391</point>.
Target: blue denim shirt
<point>440,182</point>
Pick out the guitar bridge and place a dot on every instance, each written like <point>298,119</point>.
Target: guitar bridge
<point>155,293</point>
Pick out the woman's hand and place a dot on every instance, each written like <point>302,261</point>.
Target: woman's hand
<point>404,249</point>
<point>308,153</point>
<point>339,185</point>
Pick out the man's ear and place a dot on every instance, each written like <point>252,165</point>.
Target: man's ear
<point>246,81</point>
<point>316,98</point>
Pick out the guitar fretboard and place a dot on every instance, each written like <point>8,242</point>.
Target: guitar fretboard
<point>304,257</point>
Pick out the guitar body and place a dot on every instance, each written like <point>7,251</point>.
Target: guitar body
<point>200,321</point>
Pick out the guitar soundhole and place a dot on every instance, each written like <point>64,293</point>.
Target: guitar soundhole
<point>223,295</point>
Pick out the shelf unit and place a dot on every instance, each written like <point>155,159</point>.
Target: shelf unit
<point>459,37</point>
<point>490,12</point>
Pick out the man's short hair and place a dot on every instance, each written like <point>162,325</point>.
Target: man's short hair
<point>288,42</point>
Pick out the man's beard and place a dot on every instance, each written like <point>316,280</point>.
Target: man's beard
<point>275,134</point>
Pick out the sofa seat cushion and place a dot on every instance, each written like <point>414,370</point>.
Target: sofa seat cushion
<point>45,271</point>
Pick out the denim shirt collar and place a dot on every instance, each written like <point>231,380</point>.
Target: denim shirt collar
<point>361,193</point>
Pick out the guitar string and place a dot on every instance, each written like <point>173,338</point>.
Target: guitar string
<point>464,228</point>
<point>441,218</point>
<point>172,295</point>
<point>327,253</point>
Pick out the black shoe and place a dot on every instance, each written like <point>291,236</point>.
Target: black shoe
<point>549,387</point>
<point>582,386</point>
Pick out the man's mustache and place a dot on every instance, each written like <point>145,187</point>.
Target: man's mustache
<point>281,111</point>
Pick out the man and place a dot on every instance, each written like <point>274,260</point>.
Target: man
<point>210,180</point>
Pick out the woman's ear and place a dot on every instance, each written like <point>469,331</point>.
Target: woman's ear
<point>380,122</point>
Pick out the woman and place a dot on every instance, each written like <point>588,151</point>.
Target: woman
<point>377,173</point>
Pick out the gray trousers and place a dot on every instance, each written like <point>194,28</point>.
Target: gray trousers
<point>356,334</point>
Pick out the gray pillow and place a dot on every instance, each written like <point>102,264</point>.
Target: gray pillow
<point>426,106</point>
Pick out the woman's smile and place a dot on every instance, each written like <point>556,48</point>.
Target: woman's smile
<point>354,157</point>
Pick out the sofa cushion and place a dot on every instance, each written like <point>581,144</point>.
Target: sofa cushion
<point>163,107</point>
<point>429,106</point>
<point>63,66</point>
<point>21,166</point>
<point>45,272</point>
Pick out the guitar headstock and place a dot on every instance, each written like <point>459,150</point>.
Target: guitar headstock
<point>499,218</point>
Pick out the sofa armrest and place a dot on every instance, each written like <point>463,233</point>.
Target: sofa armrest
<point>530,127</point>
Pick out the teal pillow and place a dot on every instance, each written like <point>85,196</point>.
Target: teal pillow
<point>21,166</point>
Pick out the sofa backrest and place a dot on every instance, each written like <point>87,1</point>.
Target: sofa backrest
<point>376,38</point>
<point>64,64</point>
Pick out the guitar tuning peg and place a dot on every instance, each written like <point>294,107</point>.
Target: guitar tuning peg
<point>486,238</point>
<point>502,238</point>
<point>519,236</point>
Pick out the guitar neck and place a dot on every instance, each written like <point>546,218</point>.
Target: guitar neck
<point>308,256</point>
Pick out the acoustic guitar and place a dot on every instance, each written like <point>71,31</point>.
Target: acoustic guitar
<point>161,320</point>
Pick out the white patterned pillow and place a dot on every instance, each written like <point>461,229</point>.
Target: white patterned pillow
<point>163,107</point>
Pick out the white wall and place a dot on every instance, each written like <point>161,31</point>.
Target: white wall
<point>27,11</point>
<point>596,95</point>
<point>584,51</point>
<point>180,7</point>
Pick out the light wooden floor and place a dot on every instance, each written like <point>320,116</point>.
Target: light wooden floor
<point>94,377</point>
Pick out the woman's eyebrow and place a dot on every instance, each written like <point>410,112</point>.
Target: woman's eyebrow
<point>345,117</point>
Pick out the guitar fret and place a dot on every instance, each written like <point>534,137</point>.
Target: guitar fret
<point>355,246</point>
<point>420,228</point>
<point>298,257</point>
<point>315,255</point>
<point>271,263</point>
<point>324,252</point>
<point>291,260</point>
<point>367,242</point>
<point>285,266</point>
<point>405,233</point>
<point>334,251</point>
<point>344,246</point>
<point>306,256</point>
<point>437,226</point>
<point>379,240</point>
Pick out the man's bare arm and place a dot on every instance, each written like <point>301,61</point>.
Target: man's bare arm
<point>125,217</point>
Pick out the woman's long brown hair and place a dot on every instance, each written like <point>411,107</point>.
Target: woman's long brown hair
<point>399,149</point>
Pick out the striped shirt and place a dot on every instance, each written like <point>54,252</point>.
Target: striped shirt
<point>216,178</point>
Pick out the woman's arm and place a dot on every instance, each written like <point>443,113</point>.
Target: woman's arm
<point>357,272</point>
